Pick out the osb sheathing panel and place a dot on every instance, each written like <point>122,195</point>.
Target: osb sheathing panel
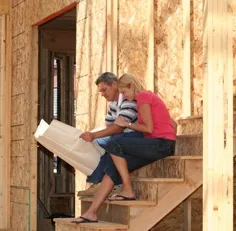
<point>20,209</point>
<point>174,221</point>
<point>197,56</point>
<point>132,40</point>
<point>20,215</point>
<point>169,53</point>
<point>20,171</point>
<point>24,15</point>
<point>91,61</point>
<point>18,109</point>
<point>18,132</point>
<point>19,195</point>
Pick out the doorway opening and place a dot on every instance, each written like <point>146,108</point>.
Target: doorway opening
<point>57,100</point>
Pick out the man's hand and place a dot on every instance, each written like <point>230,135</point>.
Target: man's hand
<point>120,121</point>
<point>87,136</point>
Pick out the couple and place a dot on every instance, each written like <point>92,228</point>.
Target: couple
<point>153,139</point>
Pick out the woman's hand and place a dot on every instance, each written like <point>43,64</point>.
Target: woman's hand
<point>120,121</point>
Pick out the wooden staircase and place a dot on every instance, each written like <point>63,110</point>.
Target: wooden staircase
<point>159,187</point>
<point>158,193</point>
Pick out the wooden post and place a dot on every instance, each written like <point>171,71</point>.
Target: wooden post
<point>150,55</point>
<point>109,36</point>
<point>114,47</point>
<point>5,115</point>
<point>218,117</point>
<point>187,59</point>
<point>33,196</point>
<point>112,33</point>
<point>188,215</point>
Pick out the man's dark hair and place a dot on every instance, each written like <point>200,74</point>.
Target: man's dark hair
<point>106,77</point>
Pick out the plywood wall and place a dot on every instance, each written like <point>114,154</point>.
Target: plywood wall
<point>174,221</point>
<point>91,60</point>
<point>169,53</point>
<point>132,38</point>
<point>24,108</point>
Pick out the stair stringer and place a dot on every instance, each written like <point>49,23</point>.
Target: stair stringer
<point>170,197</point>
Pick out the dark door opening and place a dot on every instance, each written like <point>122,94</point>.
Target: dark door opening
<point>57,48</point>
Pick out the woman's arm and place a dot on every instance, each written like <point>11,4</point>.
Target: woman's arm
<point>146,116</point>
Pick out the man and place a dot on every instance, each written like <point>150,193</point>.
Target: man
<point>107,86</point>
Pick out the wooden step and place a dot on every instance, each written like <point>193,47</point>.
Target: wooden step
<point>169,196</point>
<point>157,180</point>
<point>171,167</point>
<point>192,145</point>
<point>123,203</point>
<point>184,158</point>
<point>189,125</point>
<point>66,225</point>
<point>146,190</point>
<point>192,125</point>
<point>117,211</point>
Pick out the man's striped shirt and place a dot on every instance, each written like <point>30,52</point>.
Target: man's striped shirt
<point>124,108</point>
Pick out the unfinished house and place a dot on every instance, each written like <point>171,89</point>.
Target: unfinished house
<point>51,52</point>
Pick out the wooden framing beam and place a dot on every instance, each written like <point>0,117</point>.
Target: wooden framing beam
<point>218,117</point>
<point>4,7</point>
<point>150,79</point>
<point>5,115</point>
<point>114,52</point>
<point>188,214</point>
<point>186,59</point>
<point>33,125</point>
<point>109,36</point>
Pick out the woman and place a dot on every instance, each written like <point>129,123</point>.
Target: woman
<point>131,153</point>
<point>156,124</point>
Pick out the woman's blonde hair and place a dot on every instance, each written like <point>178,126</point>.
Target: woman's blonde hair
<point>126,80</point>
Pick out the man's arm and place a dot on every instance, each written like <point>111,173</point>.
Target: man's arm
<point>108,131</point>
<point>127,111</point>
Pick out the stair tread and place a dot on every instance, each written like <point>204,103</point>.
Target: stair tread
<point>184,158</point>
<point>189,135</point>
<point>188,117</point>
<point>158,180</point>
<point>195,135</point>
<point>127,203</point>
<point>96,225</point>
